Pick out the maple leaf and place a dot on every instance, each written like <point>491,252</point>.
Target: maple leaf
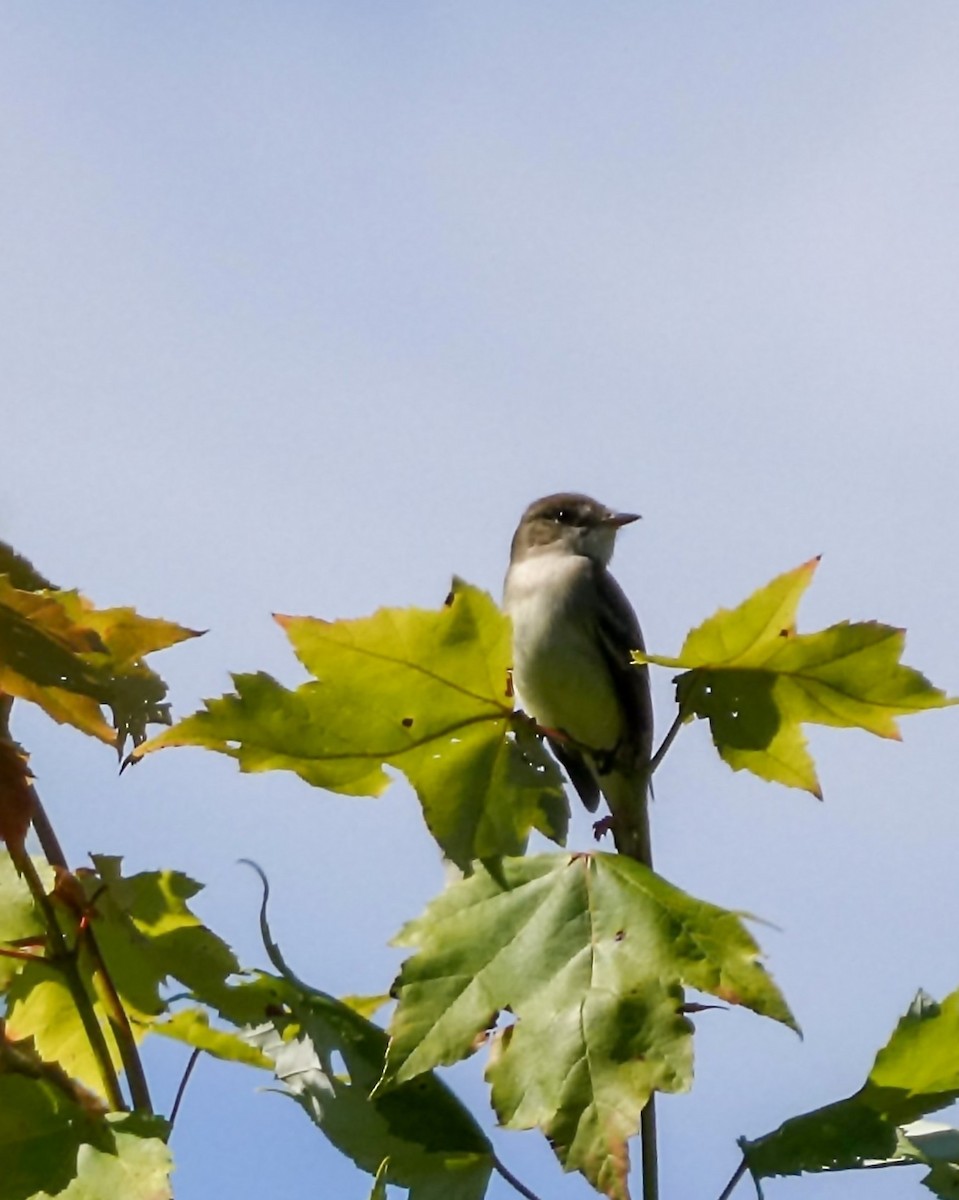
<point>757,681</point>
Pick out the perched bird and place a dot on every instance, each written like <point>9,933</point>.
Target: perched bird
<point>573,630</point>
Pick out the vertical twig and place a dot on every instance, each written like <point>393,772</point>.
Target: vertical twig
<point>120,1026</point>
<point>647,1137</point>
<point>64,958</point>
<point>644,854</point>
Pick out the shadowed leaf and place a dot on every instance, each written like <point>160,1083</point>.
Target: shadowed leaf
<point>21,572</point>
<point>418,1136</point>
<point>55,1140</point>
<point>916,1072</point>
<point>590,955</point>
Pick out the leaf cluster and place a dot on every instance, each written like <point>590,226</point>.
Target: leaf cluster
<point>574,970</point>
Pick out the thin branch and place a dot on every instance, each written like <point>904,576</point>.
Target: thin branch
<point>183,1082</point>
<point>120,1025</point>
<point>64,959</point>
<point>737,1175</point>
<point>23,955</point>
<point>67,961</point>
<point>46,835</point>
<point>667,741</point>
<point>511,1179</point>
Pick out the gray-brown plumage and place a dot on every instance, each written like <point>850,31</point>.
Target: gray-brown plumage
<point>573,629</point>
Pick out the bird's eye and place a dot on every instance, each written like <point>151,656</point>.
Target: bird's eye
<point>563,515</point>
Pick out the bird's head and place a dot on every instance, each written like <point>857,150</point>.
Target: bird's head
<point>570,523</point>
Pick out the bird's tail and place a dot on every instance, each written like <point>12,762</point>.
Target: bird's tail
<point>627,794</point>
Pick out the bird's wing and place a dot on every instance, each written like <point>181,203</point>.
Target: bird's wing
<point>580,776</point>
<point>619,632</point>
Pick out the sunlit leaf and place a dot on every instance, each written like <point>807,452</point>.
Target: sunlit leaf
<point>757,682</point>
<point>42,1006</point>
<point>147,935</point>
<point>421,691</point>
<point>19,920</point>
<point>58,651</point>
<point>916,1072</point>
<point>193,1027</point>
<point>590,955</point>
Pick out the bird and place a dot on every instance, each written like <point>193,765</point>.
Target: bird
<point>573,630</point>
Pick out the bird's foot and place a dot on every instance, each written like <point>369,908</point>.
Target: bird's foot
<point>601,827</point>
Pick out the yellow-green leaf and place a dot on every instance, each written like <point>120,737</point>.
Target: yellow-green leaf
<point>757,681</point>
<point>59,652</point>
<point>19,919</point>
<point>425,692</point>
<point>192,1026</point>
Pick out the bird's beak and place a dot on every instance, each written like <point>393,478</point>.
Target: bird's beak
<point>618,520</point>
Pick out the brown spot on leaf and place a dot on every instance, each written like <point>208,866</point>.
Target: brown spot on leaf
<point>448,602</point>
<point>479,1040</point>
<point>620,934</point>
<point>406,722</point>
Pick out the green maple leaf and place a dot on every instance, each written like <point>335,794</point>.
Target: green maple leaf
<point>146,934</point>
<point>590,955</point>
<point>425,692</point>
<point>915,1073</point>
<point>756,681</point>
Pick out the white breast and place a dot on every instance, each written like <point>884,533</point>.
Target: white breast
<point>560,675</point>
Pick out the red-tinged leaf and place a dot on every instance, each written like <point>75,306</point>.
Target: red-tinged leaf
<point>59,652</point>
<point>16,802</point>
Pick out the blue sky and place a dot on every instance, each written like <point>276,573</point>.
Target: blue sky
<point>302,303</point>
